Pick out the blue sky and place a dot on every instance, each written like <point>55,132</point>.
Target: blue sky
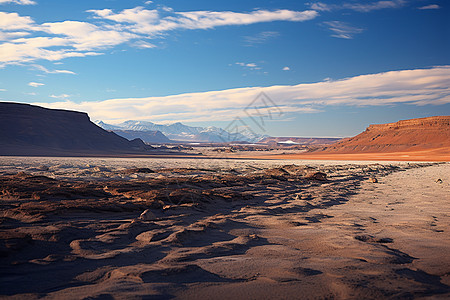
<point>332,68</point>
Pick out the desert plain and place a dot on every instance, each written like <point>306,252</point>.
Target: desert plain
<point>137,228</point>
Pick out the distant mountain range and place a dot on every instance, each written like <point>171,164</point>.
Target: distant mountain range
<point>178,132</point>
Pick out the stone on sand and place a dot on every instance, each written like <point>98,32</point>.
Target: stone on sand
<point>147,215</point>
<point>317,176</point>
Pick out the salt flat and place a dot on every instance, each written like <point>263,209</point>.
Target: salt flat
<point>222,228</point>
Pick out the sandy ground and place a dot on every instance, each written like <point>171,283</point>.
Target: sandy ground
<point>70,229</point>
<point>437,154</point>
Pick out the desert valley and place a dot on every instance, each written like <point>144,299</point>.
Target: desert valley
<point>224,149</point>
<point>131,220</point>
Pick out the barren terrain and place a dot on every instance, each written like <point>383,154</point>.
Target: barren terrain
<point>75,228</point>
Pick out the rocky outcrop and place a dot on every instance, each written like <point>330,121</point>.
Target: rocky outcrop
<point>405,135</point>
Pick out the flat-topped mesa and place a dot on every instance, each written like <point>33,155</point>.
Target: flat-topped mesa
<point>405,135</point>
<point>32,130</point>
<point>9,109</point>
<point>421,123</point>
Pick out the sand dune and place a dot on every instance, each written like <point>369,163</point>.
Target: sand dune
<point>244,230</point>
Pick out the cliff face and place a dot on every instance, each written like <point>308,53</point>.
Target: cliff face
<point>406,135</point>
<point>33,130</point>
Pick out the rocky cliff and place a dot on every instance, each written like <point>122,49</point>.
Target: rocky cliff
<point>405,135</point>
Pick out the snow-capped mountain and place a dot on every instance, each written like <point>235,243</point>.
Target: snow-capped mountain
<point>180,132</point>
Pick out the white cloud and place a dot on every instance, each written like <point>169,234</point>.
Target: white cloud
<point>133,15</point>
<point>251,66</point>
<point>414,87</point>
<point>4,36</point>
<point>62,96</point>
<point>47,71</point>
<point>143,45</point>
<point>26,50</point>
<point>12,21</point>
<point>21,2</point>
<point>342,30</point>
<point>2,90</point>
<point>431,6</point>
<point>150,22</point>
<point>286,69</point>
<point>58,40</point>
<point>85,36</point>
<point>35,84</point>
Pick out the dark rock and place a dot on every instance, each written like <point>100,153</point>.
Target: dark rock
<point>317,176</point>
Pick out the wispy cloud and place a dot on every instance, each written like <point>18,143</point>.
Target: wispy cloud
<point>431,6</point>
<point>47,71</point>
<point>21,2</point>
<point>321,6</point>
<point>251,66</point>
<point>366,7</point>
<point>143,45</point>
<point>356,6</point>
<point>2,90</point>
<point>413,87</point>
<point>62,96</point>
<point>342,30</point>
<point>27,41</point>
<point>260,38</point>
<point>286,69</point>
<point>35,84</point>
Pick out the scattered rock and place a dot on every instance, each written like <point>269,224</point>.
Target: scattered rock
<point>371,239</point>
<point>138,170</point>
<point>100,169</point>
<point>438,180</point>
<point>253,236</point>
<point>317,176</point>
<point>147,215</point>
<point>373,180</point>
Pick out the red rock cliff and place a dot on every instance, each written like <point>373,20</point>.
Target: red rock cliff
<point>405,135</point>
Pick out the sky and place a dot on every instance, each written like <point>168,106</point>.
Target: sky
<point>282,68</point>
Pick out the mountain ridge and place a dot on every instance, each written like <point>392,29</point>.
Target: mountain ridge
<point>183,133</point>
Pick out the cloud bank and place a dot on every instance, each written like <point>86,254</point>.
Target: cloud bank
<point>26,41</point>
<point>413,87</point>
